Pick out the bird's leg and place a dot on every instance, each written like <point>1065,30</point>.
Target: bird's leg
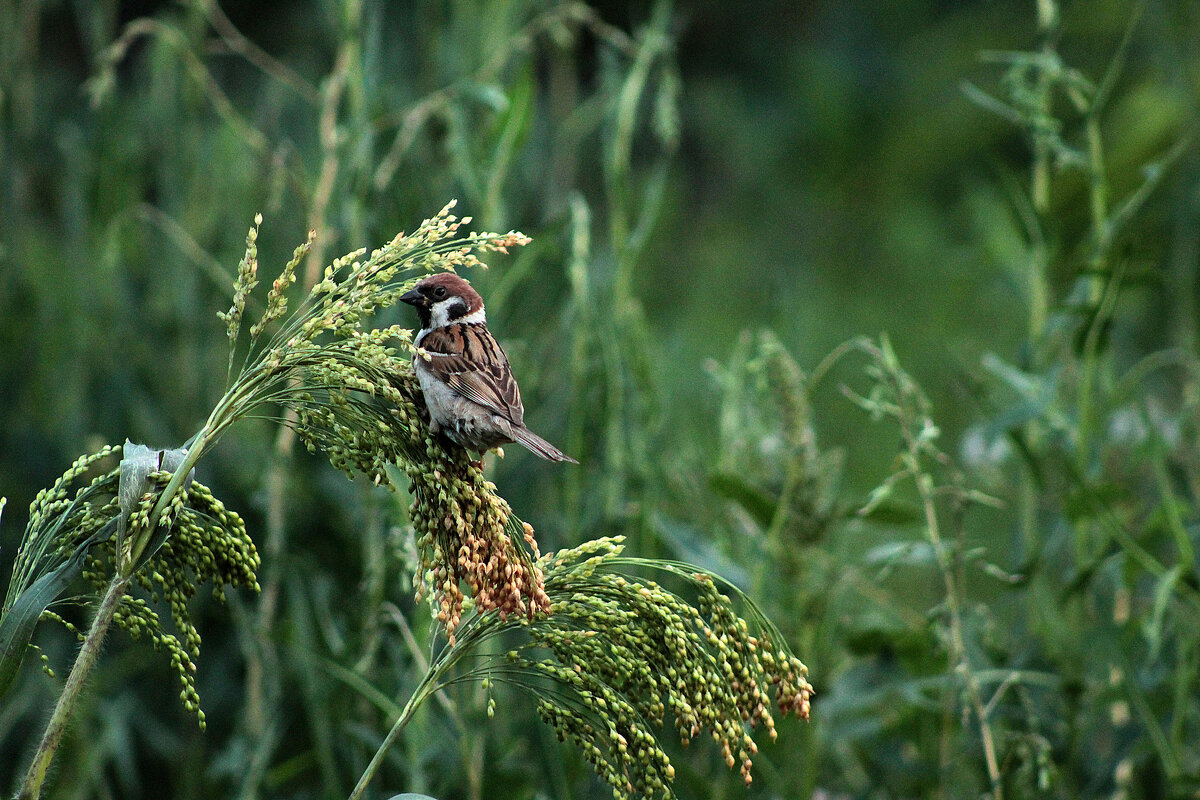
<point>499,451</point>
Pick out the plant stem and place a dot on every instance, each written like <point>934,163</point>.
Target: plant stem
<point>960,662</point>
<point>427,686</point>
<point>88,653</point>
<point>1040,184</point>
<point>164,501</point>
<point>948,564</point>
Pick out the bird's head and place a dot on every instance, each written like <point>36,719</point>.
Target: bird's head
<point>445,299</point>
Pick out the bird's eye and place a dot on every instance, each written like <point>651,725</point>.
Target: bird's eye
<point>439,293</point>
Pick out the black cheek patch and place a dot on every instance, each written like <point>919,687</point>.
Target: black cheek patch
<point>456,310</point>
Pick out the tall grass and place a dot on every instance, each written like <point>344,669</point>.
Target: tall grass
<point>1009,614</point>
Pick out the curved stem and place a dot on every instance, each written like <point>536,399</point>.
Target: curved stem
<point>223,415</point>
<point>427,687</point>
<point>470,636</point>
<point>32,786</point>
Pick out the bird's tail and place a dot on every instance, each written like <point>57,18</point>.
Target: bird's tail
<point>539,446</point>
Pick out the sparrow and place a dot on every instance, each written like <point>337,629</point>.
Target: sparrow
<point>464,374</point>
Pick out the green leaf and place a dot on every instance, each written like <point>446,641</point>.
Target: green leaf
<point>757,503</point>
<point>18,622</point>
<point>136,465</point>
<point>894,512</point>
<point>1162,596</point>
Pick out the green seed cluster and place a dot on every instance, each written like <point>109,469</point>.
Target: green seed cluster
<point>352,289</point>
<point>59,522</point>
<point>136,617</point>
<point>349,395</point>
<point>208,544</point>
<point>631,654</point>
<point>786,382</point>
<point>356,405</point>
<point>367,419</point>
<point>277,301</point>
<point>243,285</point>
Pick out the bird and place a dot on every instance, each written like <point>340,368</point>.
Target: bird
<point>463,372</point>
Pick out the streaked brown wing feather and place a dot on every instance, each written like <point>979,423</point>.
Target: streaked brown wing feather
<point>470,361</point>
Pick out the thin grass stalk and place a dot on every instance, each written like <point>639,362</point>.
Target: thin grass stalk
<point>908,414</point>
<point>1097,204</point>
<point>89,652</point>
<point>1186,667</point>
<point>1039,266</point>
<point>1040,172</point>
<point>1104,279</point>
<point>1093,343</point>
<point>429,684</point>
<point>959,661</point>
<point>316,706</point>
<point>581,325</point>
<point>1153,727</point>
<point>1102,287</point>
<point>623,455</point>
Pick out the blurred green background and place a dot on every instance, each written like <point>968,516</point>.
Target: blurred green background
<point>692,174</point>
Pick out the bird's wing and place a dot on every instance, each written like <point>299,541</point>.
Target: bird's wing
<point>471,362</point>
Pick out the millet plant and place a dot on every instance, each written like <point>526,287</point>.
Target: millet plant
<point>607,653</point>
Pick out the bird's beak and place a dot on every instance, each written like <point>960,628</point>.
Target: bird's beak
<point>414,298</point>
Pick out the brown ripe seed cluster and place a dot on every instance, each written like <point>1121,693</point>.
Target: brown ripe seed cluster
<point>467,535</point>
<point>469,542</point>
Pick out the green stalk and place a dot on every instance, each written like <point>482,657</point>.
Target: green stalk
<point>1039,190</point>
<point>89,653</point>
<point>32,786</point>
<point>470,637</point>
<point>228,409</point>
<point>427,687</point>
<point>164,500</point>
<point>948,564</point>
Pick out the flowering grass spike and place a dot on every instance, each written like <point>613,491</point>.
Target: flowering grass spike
<point>608,656</point>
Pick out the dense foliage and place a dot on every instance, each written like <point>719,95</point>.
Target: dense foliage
<point>977,529</point>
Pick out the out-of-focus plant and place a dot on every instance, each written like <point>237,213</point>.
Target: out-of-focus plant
<point>1056,656</point>
<point>1095,437</point>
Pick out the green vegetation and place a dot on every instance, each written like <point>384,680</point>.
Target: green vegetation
<point>888,327</point>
